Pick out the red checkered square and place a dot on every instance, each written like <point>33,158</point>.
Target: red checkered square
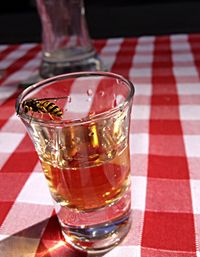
<point>170,231</point>
<point>5,207</point>
<point>163,87</point>
<point>24,160</point>
<point>164,112</point>
<point>169,167</point>
<point>11,184</point>
<point>166,145</point>
<point>165,127</point>
<point>167,195</point>
<point>164,100</point>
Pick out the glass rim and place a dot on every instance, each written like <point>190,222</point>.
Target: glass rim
<point>78,121</point>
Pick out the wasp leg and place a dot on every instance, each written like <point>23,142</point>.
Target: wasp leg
<point>51,116</point>
<point>32,112</point>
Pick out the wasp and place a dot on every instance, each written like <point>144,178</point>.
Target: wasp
<point>42,106</point>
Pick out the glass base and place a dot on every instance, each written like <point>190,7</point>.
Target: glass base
<point>49,69</point>
<point>97,239</point>
<point>97,230</point>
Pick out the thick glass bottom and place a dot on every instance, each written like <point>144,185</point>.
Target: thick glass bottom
<point>98,230</point>
<point>99,238</point>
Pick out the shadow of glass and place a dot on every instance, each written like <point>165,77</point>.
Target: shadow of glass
<point>44,239</point>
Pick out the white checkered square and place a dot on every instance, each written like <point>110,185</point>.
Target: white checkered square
<point>138,190</point>
<point>179,38</point>
<point>23,216</point>
<point>141,112</point>
<point>9,141</point>
<point>14,125</point>
<point>108,53</point>
<point>188,88</point>
<point>195,190</point>
<point>143,89</point>
<point>185,71</point>
<point>125,251</point>
<point>180,46</point>
<point>143,58</point>
<point>177,57</point>
<point>147,48</point>
<point>5,93</point>
<point>35,190</point>
<point>189,112</point>
<point>139,143</point>
<point>141,72</point>
<point>146,39</point>
<point>192,145</point>
<point>14,55</point>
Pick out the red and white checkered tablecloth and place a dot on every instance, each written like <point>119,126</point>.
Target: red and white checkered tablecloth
<point>165,152</point>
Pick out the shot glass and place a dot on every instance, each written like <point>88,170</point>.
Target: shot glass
<point>79,124</point>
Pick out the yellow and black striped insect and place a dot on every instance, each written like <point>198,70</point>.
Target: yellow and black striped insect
<point>42,106</point>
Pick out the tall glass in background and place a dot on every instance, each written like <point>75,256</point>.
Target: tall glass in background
<point>79,124</point>
<point>66,43</point>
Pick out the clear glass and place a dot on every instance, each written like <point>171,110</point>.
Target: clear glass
<point>79,124</point>
<point>66,43</point>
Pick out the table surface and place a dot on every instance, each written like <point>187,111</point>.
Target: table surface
<point>165,151</point>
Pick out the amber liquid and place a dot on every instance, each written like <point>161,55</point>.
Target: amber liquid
<point>89,187</point>
<point>87,167</point>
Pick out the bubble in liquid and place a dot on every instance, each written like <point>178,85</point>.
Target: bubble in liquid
<point>117,81</point>
<point>102,93</point>
<point>91,134</point>
<point>89,92</point>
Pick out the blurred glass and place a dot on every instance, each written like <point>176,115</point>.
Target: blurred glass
<point>66,43</point>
